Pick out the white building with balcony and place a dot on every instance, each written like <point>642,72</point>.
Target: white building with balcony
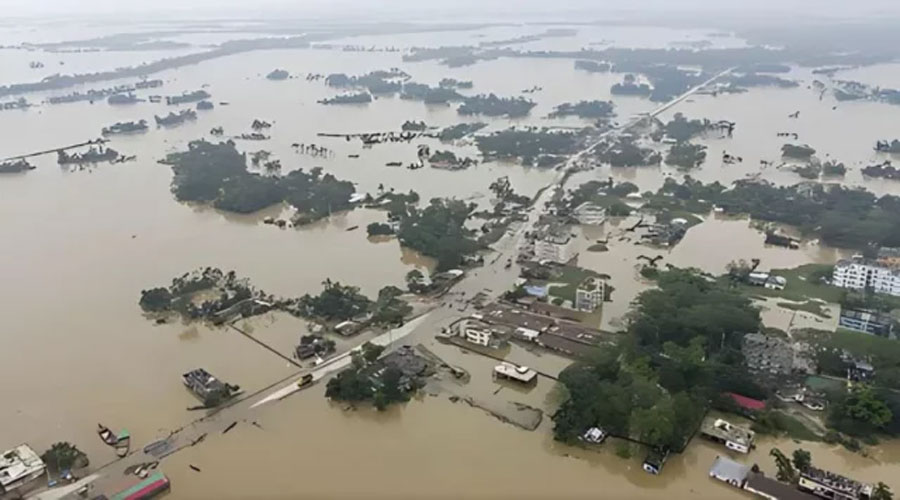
<point>860,274</point>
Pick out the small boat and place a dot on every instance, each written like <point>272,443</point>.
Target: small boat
<point>106,435</point>
<point>352,228</point>
<point>123,444</point>
<point>352,156</point>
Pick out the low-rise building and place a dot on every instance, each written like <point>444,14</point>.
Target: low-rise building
<point>206,387</point>
<point>589,294</point>
<point>767,354</point>
<point>479,332</point>
<point>864,321</point>
<point>19,467</point>
<point>729,471</point>
<point>590,214</point>
<point>889,257</point>
<point>655,461</point>
<point>759,278</point>
<point>510,371</point>
<point>770,489</point>
<point>834,486</point>
<point>734,437</point>
<point>861,274</point>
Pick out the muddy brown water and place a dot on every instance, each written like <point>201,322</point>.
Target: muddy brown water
<point>76,248</point>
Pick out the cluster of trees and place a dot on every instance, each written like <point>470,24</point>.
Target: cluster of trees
<point>453,83</point>
<point>179,296</point>
<point>840,216</point>
<point>799,152</point>
<point>379,229</point>
<point>491,105</point>
<point>593,66</point>
<point>683,129</point>
<point>751,79</point>
<point>585,109</point>
<point>363,382</point>
<point>439,231</point>
<point>351,98</point>
<point>682,352</point>
<point>335,302</point>
<point>460,130</point>
<point>278,74</point>
<point>686,155</point>
<point>601,193</point>
<point>527,144</point>
<point>626,152</point>
<point>629,86</point>
<point>217,174</point>
<point>430,95</point>
<point>882,170</point>
<point>388,308</point>
<point>64,456</point>
<point>376,82</point>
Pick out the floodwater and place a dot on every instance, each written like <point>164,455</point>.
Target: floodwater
<point>77,248</point>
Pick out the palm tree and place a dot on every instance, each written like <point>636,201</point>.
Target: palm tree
<point>882,492</point>
<point>786,471</point>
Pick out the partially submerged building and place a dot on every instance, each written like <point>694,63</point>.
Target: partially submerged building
<point>729,471</point>
<point>867,321</point>
<point>589,214</point>
<point>589,294</point>
<point>509,371</point>
<point>655,461</point>
<point>479,332</point>
<point>767,280</point>
<point>835,486</point>
<point>207,388</point>
<point>19,467</point>
<point>734,437</point>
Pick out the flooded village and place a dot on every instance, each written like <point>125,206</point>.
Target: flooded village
<point>638,261</point>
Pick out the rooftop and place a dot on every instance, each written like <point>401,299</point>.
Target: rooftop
<point>725,430</point>
<point>17,464</point>
<point>758,483</point>
<point>747,403</point>
<point>728,470</point>
<point>836,481</point>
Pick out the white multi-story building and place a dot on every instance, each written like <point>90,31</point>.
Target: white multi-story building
<point>18,467</point>
<point>589,294</point>
<point>859,274</point>
<point>553,249</point>
<point>479,332</point>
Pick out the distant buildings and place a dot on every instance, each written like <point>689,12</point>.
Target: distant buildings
<point>830,485</point>
<point>861,274</point>
<point>18,467</point>
<point>864,321</point>
<point>589,294</point>
<point>734,437</point>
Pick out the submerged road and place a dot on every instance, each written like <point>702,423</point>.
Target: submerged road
<point>491,279</point>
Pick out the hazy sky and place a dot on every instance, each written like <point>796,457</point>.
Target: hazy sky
<point>498,10</point>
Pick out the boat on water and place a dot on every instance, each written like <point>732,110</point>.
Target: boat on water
<point>352,228</point>
<point>123,443</point>
<point>107,435</point>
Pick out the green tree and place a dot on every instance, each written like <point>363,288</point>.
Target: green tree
<point>63,455</point>
<point>654,425</point>
<point>802,459</point>
<point>786,472</point>
<point>155,300</point>
<point>882,492</point>
<point>861,412</point>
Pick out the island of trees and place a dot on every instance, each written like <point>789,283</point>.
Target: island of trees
<point>197,95</point>
<point>585,109</point>
<point>439,231</point>
<point>453,83</point>
<point>125,128</point>
<point>629,86</point>
<point>216,174</point>
<point>686,155</point>
<point>353,98</point>
<point>460,130</point>
<point>491,105</point>
<point>888,147</point>
<point>627,152</point>
<point>278,74</point>
<point>528,145</point>
<point>799,152</point>
<point>593,66</point>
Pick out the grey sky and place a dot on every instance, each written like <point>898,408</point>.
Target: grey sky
<point>423,8</point>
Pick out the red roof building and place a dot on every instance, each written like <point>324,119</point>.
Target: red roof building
<point>747,403</point>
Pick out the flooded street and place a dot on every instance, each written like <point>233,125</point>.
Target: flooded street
<point>77,248</point>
